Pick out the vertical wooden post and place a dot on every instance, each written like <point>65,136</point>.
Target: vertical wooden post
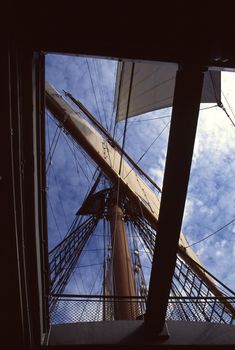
<point>123,277</point>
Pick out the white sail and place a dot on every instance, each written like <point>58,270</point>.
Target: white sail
<point>150,86</point>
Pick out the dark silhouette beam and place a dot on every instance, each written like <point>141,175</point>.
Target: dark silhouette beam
<point>186,105</point>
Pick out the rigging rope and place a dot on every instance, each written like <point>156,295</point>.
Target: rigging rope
<point>127,112</point>
<point>149,119</point>
<point>53,145</point>
<point>84,154</point>
<point>97,264</point>
<point>226,112</point>
<point>49,157</point>
<point>156,138</point>
<point>113,110</point>
<point>93,88</point>
<point>98,70</point>
<point>211,234</point>
<point>60,199</point>
<point>53,214</point>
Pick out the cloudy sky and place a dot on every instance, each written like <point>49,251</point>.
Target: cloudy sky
<point>211,194</point>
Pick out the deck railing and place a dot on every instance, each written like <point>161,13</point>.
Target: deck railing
<point>86,308</point>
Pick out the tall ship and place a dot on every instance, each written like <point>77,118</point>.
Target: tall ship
<point>116,246</point>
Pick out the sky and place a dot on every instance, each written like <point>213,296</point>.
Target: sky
<point>211,193</point>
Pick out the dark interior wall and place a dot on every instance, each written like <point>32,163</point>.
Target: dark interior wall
<point>23,214</point>
<point>10,277</point>
<point>174,31</point>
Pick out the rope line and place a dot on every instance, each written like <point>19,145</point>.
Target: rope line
<point>211,234</point>
<point>93,88</point>
<point>226,112</point>
<point>156,138</point>
<point>127,112</point>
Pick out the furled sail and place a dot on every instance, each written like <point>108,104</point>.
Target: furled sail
<point>145,87</point>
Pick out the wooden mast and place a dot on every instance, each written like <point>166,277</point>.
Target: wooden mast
<point>122,271</point>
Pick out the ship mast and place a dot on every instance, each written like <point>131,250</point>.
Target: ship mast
<point>108,158</point>
<point>123,277</point>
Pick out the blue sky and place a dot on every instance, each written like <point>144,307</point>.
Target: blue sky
<point>211,194</point>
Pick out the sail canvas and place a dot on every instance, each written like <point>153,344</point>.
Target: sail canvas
<point>145,87</point>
